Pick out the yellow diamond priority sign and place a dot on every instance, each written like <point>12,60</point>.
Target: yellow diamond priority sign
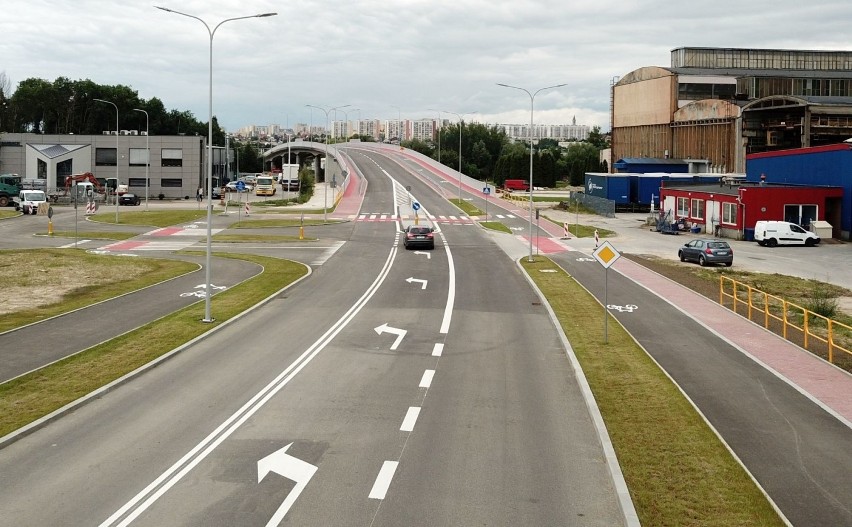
<point>606,254</point>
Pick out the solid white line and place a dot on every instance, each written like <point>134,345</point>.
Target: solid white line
<point>426,380</point>
<point>438,349</point>
<point>451,289</point>
<point>410,419</point>
<point>383,480</point>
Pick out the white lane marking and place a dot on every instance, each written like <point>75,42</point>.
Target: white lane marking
<point>451,288</point>
<point>420,281</point>
<point>410,418</point>
<point>383,480</point>
<point>426,380</point>
<point>150,494</point>
<point>438,349</point>
<point>70,245</point>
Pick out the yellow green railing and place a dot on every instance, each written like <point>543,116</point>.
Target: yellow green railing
<point>823,336</point>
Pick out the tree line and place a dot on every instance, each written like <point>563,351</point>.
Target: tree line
<point>69,107</point>
<point>487,154</point>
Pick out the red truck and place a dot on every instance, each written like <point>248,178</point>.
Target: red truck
<point>516,184</point>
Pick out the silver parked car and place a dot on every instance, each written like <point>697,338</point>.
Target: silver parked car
<point>707,252</point>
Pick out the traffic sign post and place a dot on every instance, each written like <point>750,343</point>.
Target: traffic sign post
<point>486,190</point>
<point>416,207</point>
<point>606,255</point>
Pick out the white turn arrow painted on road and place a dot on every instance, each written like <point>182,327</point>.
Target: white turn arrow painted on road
<point>290,467</point>
<point>400,334</point>
<point>428,255</point>
<point>423,283</point>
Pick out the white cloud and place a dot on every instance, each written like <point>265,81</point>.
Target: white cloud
<point>374,55</point>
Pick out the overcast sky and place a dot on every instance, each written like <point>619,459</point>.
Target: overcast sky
<point>376,55</point>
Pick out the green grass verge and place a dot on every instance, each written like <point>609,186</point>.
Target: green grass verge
<point>279,222</point>
<point>91,235</point>
<point>36,394</point>
<point>158,218</point>
<point>678,472</point>
<point>467,207</point>
<point>9,213</point>
<point>259,238</point>
<point>496,226</point>
<point>582,231</point>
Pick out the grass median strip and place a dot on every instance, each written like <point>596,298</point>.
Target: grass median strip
<point>32,396</point>
<point>678,471</point>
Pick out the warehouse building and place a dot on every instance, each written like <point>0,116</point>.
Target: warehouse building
<point>722,104</point>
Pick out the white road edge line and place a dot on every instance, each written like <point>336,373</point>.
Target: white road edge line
<point>383,480</point>
<point>410,419</point>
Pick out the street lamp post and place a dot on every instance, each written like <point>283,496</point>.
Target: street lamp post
<point>460,152</point>
<point>438,128</point>
<point>116,157</point>
<point>327,161</point>
<point>532,101</point>
<point>147,155</point>
<point>208,289</point>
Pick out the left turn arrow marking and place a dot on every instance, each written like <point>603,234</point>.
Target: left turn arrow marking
<point>291,468</point>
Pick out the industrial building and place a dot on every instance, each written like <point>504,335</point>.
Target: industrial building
<point>722,104</point>
<point>176,162</point>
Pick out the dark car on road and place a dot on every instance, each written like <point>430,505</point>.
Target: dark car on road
<point>419,236</point>
<point>128,199</point>
<point>707,252</point>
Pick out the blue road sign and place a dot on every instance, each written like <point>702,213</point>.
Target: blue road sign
<point>241,186</point>
<point>486,190</point>
<point>415,206</point>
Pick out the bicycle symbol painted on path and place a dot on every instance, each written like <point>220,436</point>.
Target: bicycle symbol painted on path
<point>201,291</point>
<point>629,308</point>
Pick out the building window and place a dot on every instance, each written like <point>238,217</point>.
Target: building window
<point>106,157</point>
<point>171,183</point>
<point>697,209</point>
<point>138,157</point>
<point>171,157</point>
<point>682,207</point>
<point>729,213</point>
<point>138,182</point>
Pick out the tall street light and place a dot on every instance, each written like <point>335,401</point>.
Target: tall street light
<point>208,289</point>
<point>532,101</point>
<point>147,155</point>
<point>116,157</point>
<point>461,121</point>
<point>438,131</point>
<point>327,161</point>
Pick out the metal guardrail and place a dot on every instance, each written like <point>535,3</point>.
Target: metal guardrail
<point>816,333</point>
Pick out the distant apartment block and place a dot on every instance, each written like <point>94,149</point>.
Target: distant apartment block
<point>560,132</point>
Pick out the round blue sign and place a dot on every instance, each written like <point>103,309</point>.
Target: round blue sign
<point>241,186</point>
<point>415,206</point>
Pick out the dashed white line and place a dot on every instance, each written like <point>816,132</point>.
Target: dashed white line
<point>383,480</point>
<point>410,419</point>
<point>426,380</point>
<point>438,349</point>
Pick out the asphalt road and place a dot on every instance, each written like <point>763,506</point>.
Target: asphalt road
<point>317,409</point>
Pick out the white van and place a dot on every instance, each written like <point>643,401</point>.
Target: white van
<point>30,201</point>
<point>773,233</point>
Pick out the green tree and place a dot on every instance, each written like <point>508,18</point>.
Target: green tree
<point>419,146</point>
<point>598,139</point>
<point>582,158</point>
